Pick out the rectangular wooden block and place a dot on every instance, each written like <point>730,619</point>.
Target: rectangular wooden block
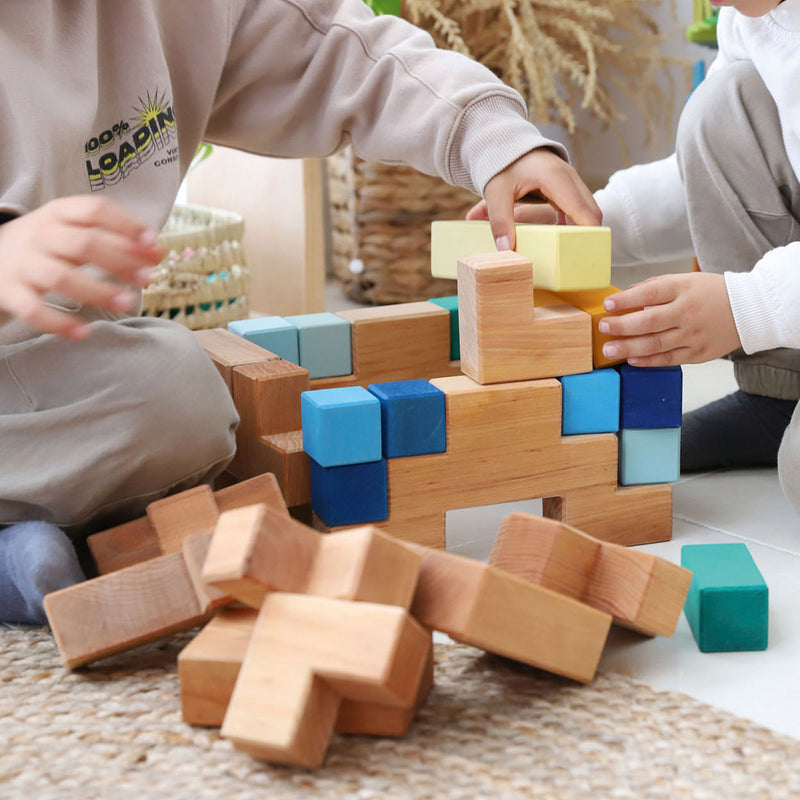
<point>262,488</point>
<point>564,257</point>
<point>123,609</point>
<point>124,545</point>
<point>181,515</point>
<point>195,550</point>
<point>504,337</point>
<point>227,350</point>
<point>728,603</point>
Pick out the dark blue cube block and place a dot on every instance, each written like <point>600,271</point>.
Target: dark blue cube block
<point>413,418</point>
<point>350,495</point>
<point>650,397</point>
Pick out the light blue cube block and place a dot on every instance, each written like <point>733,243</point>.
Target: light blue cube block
<point>649,455</point>
<point>272,333</point>
<point>324,343</point>
<point>590,402</point>
<point>341,426</point>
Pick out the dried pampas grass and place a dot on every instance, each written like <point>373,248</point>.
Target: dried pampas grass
<point>560,54</point>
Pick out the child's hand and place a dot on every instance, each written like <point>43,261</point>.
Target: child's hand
<point>539,171</point>
<point>40,253</point>
<point>686,319</point>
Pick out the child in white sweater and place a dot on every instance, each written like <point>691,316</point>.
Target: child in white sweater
<point>103,106</point>
<point>730,194</point>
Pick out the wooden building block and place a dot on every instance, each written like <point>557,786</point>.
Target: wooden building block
<point>590,402</point>
<point>341,426</point>
<point>179,515</point>
<point>123,609</point>
<point>195,550</point>
<point>504,337</point>
<point>649,455</point>
<point>413,420</point>
<point>627,515</point>
<point>209,666</point>
<point>352,494</point>
<point>227,350</point>
<point>275,334</point>
<point>267,440</point>
<point>124,545</point>
<point>398,342</point>
<point>640,590</point>
<point>591,302</point>
<point>450,304</point>
<point>256,550</point>
<point>564,257</point>
<point>324,344</point>
<point>486,607</point>
<point>650,397</point>
<point>262,488</point>
<point>728,604</point>
<point>305,655</point>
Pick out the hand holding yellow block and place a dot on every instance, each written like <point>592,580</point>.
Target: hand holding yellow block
<point>566,258</point>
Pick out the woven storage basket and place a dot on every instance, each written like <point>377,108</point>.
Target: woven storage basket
<point>202,279</point>
<point>380,220</point>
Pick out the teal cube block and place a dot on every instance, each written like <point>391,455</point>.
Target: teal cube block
<point>341,426</point>
<point>451,305</point>
<point>649,455</point>
<point>324,342</point>
<point>590,402</point>
<point>728,602</point>
<point>272,333</point>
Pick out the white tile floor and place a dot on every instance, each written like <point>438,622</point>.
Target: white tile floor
<point>740,506</point>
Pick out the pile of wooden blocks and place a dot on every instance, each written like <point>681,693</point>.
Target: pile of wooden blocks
<point>313,633</point>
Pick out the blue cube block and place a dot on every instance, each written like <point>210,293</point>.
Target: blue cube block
<point>590,402</point>
<point>412,417</point>
<point>650,397</point>
<point>324,343</point>
<point>649,455</point>
<point>272,333</point>
<point>727,607</point>
<point>451,304</point>
<point>341,426</point>
<point>350,495</point>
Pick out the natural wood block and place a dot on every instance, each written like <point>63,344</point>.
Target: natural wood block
<point>262,488</point>
<point>256,550</point>
<point>504,337</point>
<point>124,545</point>
<point>305,654</point>
<point>180,515</point>
<point>398,342</point>
<point>267,397</point>
<point>640,590</point>
<point>291,463</point>
<point>123,609</point>
<point>628,515</point>
<point>564,257</point>
<point>209,666</point>
<point>227,350</point>
<point>488,608</point>
<point>195,550</point>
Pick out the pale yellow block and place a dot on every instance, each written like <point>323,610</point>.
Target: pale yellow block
<point>565,258</point>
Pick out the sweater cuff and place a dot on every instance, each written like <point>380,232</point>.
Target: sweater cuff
<point>753,311</point>
<point>492,133</point>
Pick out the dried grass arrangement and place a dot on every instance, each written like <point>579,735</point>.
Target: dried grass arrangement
<point>561,55</point>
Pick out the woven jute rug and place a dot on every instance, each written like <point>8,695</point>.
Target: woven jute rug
<point>490,729</point>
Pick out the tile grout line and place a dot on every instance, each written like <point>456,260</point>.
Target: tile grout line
<point>735,535</point>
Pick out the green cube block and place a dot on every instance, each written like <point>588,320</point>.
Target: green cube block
<point>728,603</point>
<point>451,305</point>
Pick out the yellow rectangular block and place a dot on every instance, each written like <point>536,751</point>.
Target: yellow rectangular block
<point>565,258</point>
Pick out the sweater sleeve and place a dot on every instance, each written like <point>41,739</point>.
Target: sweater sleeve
<point>305,77</point>
<point>765,300</point>
<point>645,207</point>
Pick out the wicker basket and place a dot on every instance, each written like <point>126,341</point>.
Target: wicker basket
<point>380,220</point>
<point>202,279</point>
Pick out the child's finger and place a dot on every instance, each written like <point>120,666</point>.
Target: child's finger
<point>644,346</point>
<point>651,292</point>
<point>478,211</point>
<point>100,212</point>
<point>638,323</point>
<point>27,305</point>
<point>569,194</point>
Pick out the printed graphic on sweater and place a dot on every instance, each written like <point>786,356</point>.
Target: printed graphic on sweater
<point>149,137</point>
